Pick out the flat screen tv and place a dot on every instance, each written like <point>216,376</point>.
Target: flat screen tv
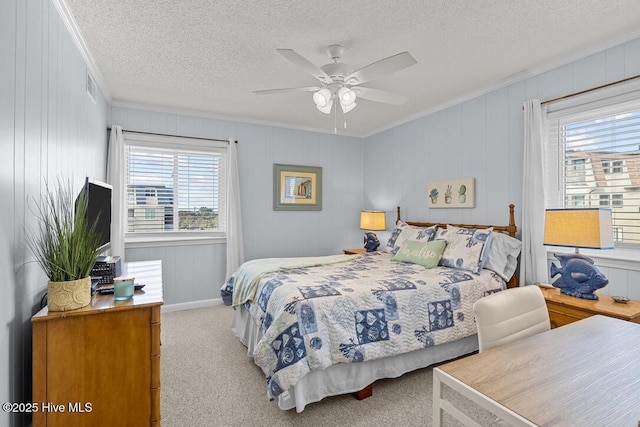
<point>98,196</point>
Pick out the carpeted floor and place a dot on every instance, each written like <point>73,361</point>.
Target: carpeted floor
<point>208,380</point>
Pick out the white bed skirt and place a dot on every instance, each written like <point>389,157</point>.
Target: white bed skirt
<point>348,377</point>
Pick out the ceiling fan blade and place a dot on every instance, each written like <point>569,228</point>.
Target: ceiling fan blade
<point>287,90</point>
<point>378,95</point>
<point>381,68</point>
<point>303,63</point>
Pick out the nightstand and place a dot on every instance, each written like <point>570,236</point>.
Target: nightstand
<point>354,251</point>
<point>565,309</point>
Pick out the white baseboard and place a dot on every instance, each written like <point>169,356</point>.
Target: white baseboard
<point>167,308</point>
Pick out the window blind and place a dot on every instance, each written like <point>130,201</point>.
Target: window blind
<point>593,160</point>
<point>174,189</point>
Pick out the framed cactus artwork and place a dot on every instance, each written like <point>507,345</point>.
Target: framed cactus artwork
<point>452,193</point>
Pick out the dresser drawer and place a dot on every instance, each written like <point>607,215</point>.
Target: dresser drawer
<point>560,315</point>
<point>564,309</point>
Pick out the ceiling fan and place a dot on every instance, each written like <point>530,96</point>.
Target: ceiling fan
<point>339,81</point>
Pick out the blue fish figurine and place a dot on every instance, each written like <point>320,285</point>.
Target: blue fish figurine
<point>579,277</point>
<point>371,241</point>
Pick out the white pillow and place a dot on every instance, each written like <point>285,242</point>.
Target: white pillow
<point>503,255</point>
<point>404,231</point>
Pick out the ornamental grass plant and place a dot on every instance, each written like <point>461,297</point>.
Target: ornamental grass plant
<point>64,244</point>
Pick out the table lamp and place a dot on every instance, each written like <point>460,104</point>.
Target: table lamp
<point>372,221</point>
<point>578,228</point>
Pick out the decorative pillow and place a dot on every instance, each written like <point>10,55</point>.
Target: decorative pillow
<point>503,255</point>
<point>404,231</point>
<point>467,248</point>
<point>426,254</point>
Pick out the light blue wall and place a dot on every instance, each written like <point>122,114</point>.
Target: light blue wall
<point>480,138</point>
<point>483,138</point>
<point>196,272</point>
<point>49,128</point>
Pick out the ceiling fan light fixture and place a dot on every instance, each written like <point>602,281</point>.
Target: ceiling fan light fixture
<point>338,84</point>
<point>347,108</point>
<point>322,98</point>
<point>347,96</point>
<point>325,108</point>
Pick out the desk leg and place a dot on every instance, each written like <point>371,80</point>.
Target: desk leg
<point>441,405</point>
<point>437,395</point>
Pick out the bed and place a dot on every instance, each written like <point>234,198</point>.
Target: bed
<point>323,326</point>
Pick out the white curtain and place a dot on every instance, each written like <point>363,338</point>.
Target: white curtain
<point>116,177</point>
<point>235,249</point>
<point>533,263</point>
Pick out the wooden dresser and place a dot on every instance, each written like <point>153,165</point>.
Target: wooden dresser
<point>100,365</point>
<point>565,309</point>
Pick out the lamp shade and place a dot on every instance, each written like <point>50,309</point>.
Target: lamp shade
<point>322,97</point>
<point>578,228</point>
<point>347,96</point>
<point>347,108</point>
<point>327,108</point>
<point>373,220</point>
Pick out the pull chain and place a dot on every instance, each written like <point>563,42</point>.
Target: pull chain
<point>335,118</point>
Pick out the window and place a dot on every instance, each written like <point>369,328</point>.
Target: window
<point>593,157</point>
<point>575,201</point>
<point>576,171</point>
<point>612,167</point>
<point>616,200</point>
<point>617,234</point>
<point>617,166</point>
<point>149,213</point>
<point>174,184</point>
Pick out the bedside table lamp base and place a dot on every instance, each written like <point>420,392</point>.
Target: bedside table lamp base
<point>579,277</point>
<point>371,241</point>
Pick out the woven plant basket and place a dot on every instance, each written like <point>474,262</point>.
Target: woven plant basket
<point>70,295</point>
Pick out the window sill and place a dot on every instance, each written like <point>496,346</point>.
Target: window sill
<point>156,241</point>
<point>623,258</point>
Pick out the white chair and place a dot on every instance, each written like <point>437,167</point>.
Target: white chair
<point>510,315</point>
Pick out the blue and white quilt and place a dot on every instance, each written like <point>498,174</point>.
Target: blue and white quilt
<point>365,308</point>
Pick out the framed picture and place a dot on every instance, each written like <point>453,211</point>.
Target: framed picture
<point>452,193</point>
<point>297,188</point>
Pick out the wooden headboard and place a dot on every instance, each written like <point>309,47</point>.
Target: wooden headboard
<point>509,229</point>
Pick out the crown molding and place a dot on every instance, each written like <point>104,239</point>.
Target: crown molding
<point>76,35</point>
<point>234,119</point>
<point>515,78</point>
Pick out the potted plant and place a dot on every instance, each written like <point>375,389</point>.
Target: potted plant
<point>462,193</point>
<point>447,195</point>
<point>433,195</point>
<point>65,246</point>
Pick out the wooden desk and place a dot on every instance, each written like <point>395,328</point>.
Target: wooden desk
<point>101,363</point>
<point>586,373</point>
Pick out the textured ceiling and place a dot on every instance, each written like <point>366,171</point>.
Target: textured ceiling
<point>207,57</point>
